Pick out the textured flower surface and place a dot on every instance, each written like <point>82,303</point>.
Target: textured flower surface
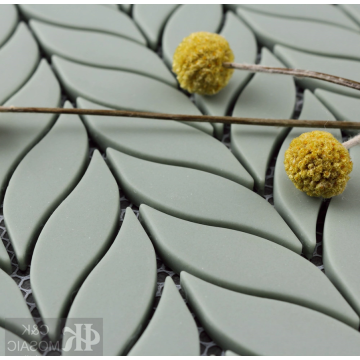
<point>318,164</point>
<point>198,63</point>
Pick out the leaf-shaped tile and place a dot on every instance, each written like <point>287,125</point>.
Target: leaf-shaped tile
<point>345,108</point>
<point>163,141</point>
<point>299,210</point>
<point>85,17</point>
<point>19,132</point>
<point>8,21</point>
<point>308,36</point>
<point>13,307</point>
<point>5,262</point>
<point>46,175</point>
<point>243,43</point>
<point>312,12</point>
<point>121,289</point>
<point>250,325</point>
<point>253,145</point>
<point>187,19</point>
<point>172,331</point>
<point>199,196</point>
<point>349,69</point>
<point>102,50</point>
<point>275,272</point>
<point>75,237</point>
<point>15,68</point>
<point>14,345</point>
<point>120,89</point>
<point>341,237</point>
<point>352,10</point>
<point>151,19</point>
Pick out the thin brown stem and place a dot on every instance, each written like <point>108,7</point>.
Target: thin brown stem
<point>190,118</point>
<point>295,72</point>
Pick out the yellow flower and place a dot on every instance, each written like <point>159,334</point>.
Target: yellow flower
<point>318,164</point>
<point>197,62</point>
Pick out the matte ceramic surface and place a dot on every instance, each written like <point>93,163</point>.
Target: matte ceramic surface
<point>352,10</point>
<point>75,237</point>
<point>250,325</point>
<point>341,237</point>
<point>46,175</point>
<point>111,6</point>
<point>200,197</point>
<point>15,68</point>
<point>20,132</point>
<point>125,298</point>
<point>275,272</point>
<point>101,50</point>
<point>151,19</point>
<point>5,263</point>
<point>299,210</point>
<point>254,146</point>
<point>243,44</point>
<point>13,306</point>
<point>185,20</point>
<point>88,17</point>
<point>123,90</point>
<point>308,36</point>
<point>312,12</point>
<point>172,331</point>
<point>344,108</point>
<point>348,69</point>
<point>167,142</point>
<point>8,21</point>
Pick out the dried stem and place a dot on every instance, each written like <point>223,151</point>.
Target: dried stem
<point>295,72</point>
<point>352,142</point>
<point>189,118</point>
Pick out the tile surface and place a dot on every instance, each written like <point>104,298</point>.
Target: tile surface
<point>208,219</point>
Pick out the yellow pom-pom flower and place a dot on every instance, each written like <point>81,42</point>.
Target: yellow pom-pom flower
<point>198,60</point>
<point>318,164</point>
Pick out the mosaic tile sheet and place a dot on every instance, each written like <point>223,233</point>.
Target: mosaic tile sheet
<point>116,26</point>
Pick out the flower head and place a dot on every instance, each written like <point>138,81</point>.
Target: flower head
<point>198,60</point>
<point>318,164</point>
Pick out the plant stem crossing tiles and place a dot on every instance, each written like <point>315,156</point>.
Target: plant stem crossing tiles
<point>168,142</point>
<point>317,38</point>
<point>123,90</point>
<point>19,132</point>
<point>43,179</point>
<point>253,145</point>
<point>299,210</point>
